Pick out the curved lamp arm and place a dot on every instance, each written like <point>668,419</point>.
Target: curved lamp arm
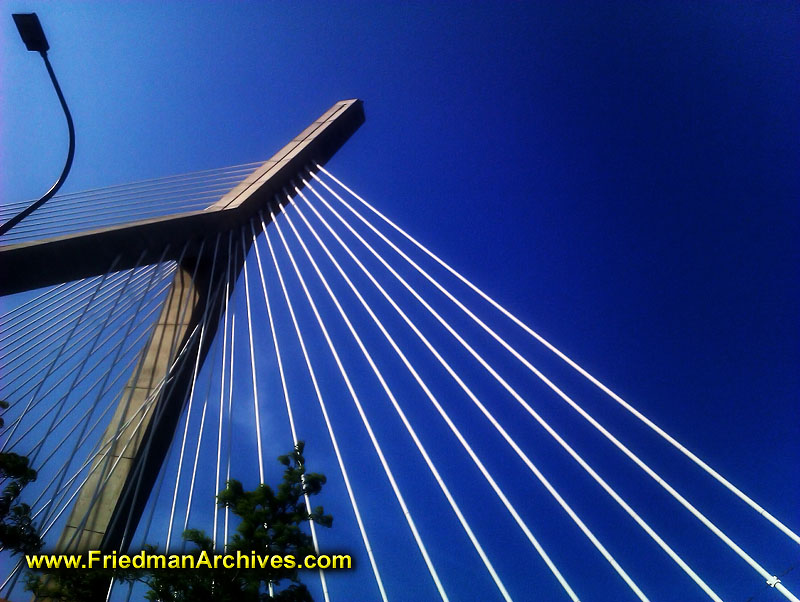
<point>31,31</point>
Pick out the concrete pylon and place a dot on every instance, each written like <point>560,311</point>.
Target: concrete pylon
<point>114,512</point>
<point>95,504</point>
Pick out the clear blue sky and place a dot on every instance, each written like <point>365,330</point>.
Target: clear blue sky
<point>623,176</point>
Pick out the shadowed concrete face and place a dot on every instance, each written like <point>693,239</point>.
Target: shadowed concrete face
<point>95,504</point>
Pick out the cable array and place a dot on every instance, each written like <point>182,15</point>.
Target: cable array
<point>324,321</point>
<point>113,205</point>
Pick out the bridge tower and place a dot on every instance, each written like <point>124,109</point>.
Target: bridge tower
<point>106,519</point>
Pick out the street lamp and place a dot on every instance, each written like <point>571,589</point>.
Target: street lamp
<point>33,36</point>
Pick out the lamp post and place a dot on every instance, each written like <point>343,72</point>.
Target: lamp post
<point>33,36</point>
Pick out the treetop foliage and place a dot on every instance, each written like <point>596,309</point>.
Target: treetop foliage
<point>270,522</point>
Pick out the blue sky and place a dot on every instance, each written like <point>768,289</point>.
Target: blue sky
<point>621,176</point>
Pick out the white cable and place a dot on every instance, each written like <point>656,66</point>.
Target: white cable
<point>314,539</point>
<point>67,290</point>
<point>33,334</point>
<point>104,458</point>
<point>96,423</point>
<point>61,348</point>
<point>114,189</point>
<point>457,511</point>
<point>111,445</point>
<point>121,372</point>
<point>535,415</point>
<point>328,424</point>
<point>92,455</point>
<point>87,417</point>
<point>64,397</point>
<point>191,394</point>
<point>222,385</point>
<point>230,422</point>
<point>183,305</point>
<point>160,408</point>
<point>161,195</point>
<point>63,293</point>
<point>689,454</point>
<point>194,467</point>
<point>98,488</point>
<point>252,361</point>
<point>89,214</point>
<point>488,414</point>
<point>96,448</point>
<point>364,419</point>
<point>111,442</point>
<point>205,406</point>
<point>75,348</point>
<point>677,496</point>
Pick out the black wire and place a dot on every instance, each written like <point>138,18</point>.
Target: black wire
<point>70,155</point>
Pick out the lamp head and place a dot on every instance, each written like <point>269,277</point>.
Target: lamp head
<point>30,30</point>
